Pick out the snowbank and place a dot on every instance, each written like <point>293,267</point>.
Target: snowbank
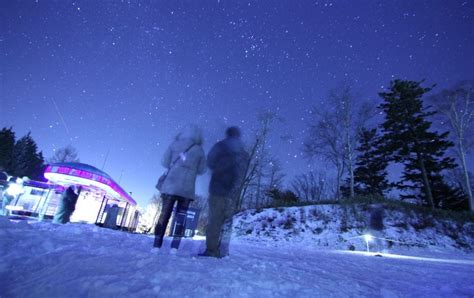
<point>342,227</point>
<point>77,260</point>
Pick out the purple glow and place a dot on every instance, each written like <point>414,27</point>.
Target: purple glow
<point>53,169</point>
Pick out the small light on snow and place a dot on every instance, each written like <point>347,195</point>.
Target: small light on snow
<point>368,237</point>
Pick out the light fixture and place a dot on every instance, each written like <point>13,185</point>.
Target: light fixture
<point>368,238</point>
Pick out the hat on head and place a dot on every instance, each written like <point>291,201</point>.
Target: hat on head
<point>233,131</point>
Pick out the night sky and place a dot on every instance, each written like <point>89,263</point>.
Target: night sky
<point>117,79</point>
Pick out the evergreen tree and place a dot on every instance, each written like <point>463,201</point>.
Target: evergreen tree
<point>450,196</point>
<point>456,179</point>
<point>26,160</point>
<point>7,143</point>
<point>371,165</point>
<point>408,139</point>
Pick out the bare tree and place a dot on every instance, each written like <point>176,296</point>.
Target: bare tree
<point>151,213</point>
<point>333,134</point>
<point>274,177</point>
<point>267,167</point>
<point>310,186</point>
<point>326,140</point>
<point>275,173</point>
<point>250,171</point>
<point>66,154</point>
<point>262,170</point>
<point>456,105</point>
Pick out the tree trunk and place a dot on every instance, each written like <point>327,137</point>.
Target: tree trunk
<point>259,185</point>
<point>426,182</point>
<point>466,175</point>
<point>340,170</point>
<point>351,177</point>
<point>348,147</point>
<point>247,176</point>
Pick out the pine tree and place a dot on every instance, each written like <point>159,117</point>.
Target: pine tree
<point>407,137</point>
<point>26,160</point>
<point>371,165</point>
<point>7,143</point>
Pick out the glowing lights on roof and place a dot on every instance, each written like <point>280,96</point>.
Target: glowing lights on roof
<point>78,173</point>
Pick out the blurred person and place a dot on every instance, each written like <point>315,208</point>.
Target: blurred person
<point>3,186</point>
<point>14,188</point>
<point>184,160</point>
<point>376,227</point>
<point>67,204</point>
<point>111,217</point>
<point>226,160</point>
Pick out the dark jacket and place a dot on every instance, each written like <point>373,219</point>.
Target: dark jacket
<point>67,205</point>
<point>376,218</point>
<point>227,160</point>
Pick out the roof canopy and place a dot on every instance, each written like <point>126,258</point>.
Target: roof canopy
<point>66,173</point>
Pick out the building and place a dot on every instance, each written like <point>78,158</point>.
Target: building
<point>99,193</point>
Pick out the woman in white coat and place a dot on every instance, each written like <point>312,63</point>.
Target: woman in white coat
<point>184,159</point>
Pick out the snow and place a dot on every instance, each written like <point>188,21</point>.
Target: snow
<point>41,259</point>
<point>343,227</point>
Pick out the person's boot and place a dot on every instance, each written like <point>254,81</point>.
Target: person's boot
<point>208,253</point>
<point>158,242</point>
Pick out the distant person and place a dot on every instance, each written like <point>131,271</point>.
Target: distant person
<point>376,227</point>
<point>184,160</point>
<point>3,177</point>
<point>226,160</point>
<point>67,204</point>
<point>111,218</point>
<point>7,197</point>
<point>14,188</point>
<point>3,186</point>
<point>3,182</point>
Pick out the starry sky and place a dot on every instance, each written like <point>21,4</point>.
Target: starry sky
<point>118,79</point>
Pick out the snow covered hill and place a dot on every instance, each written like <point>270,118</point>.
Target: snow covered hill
<point>342,227</point>
<point>40,259</point>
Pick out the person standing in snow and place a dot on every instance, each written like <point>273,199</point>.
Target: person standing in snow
<point>3,182</point>
<point>226,160</point>
<point>376,226</point>
<point>184,160</point>
<point>111,218</point>
<point>7,197</point>
<point>15,188</point>
<point>67,204</point>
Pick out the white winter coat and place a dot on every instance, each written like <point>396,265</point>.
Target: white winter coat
<point>181,178</point>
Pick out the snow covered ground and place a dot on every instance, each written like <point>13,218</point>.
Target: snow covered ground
<point>40,259</point>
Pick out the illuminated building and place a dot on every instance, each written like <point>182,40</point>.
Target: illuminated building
<point>99,191</point>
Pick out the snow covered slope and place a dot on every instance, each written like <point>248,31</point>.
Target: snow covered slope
<point>41,259</point>
<point>342,227</point>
